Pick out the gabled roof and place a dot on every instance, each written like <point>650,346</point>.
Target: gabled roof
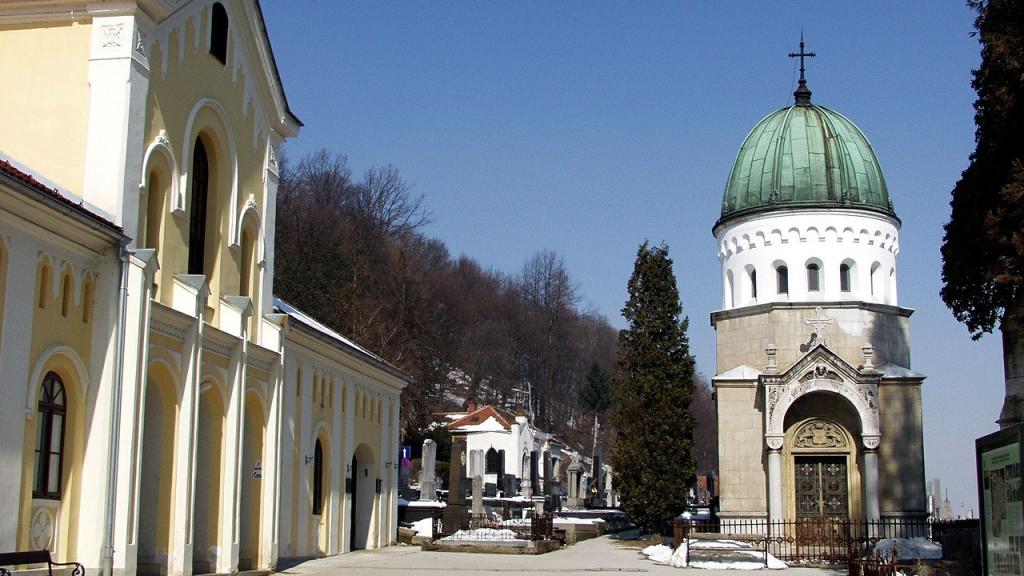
<point>501,416</point>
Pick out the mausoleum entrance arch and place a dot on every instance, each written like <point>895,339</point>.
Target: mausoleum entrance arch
<point>813,415</point>
<point>364,479</point>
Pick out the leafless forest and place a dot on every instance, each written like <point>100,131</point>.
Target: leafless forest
<point>352,252</point>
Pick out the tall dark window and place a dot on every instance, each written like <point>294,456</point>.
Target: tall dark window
<point>493,462</point>
<point>49,438</point>
<point>197,218</point>
<point>844,277</point>
<point>782,279</point>
<point>753,284</point>
<point>318,479</point>
<point>219,33</point>
<point>813,278</point>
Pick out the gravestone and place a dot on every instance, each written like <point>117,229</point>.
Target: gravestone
<point>575,471</point>
<point>428,473</point>
<point>456,508</point>
<point>476,470</point>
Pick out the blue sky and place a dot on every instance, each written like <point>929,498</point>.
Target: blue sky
<point>588,127</point>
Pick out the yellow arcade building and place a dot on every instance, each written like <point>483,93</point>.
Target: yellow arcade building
<point>160,411</point>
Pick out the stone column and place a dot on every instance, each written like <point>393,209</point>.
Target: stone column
<point>871,508</point>
<point>775,512</point>
<point>428,484</point>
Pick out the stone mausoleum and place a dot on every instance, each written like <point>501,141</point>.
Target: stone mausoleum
<point>819,412</point>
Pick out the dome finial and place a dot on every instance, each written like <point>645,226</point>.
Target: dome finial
<point>803,93</point>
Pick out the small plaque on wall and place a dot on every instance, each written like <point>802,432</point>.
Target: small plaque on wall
<point>348,485</point>
<point>379,485</point>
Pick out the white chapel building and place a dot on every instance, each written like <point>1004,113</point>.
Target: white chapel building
<point>819,412</point>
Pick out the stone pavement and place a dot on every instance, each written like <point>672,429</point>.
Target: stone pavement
<point>605,554</point>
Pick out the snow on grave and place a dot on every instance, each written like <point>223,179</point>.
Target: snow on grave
<point>909,548</point>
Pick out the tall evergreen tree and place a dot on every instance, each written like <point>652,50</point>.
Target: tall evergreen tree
<point>983,249</point>
<point>653,455</point>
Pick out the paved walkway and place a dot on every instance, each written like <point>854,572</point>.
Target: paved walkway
<point>598,555</point>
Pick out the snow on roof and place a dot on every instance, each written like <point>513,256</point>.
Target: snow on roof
<point>39,183</point>
<point>491,424</point>
<point>469,422</point>
<point>311,323</point>
<point>741,372</point>
<point>897,371</point>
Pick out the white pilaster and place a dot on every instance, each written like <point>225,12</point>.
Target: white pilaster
<point>775,512</point>
<point>142,267</point>
<point>337,459</point>
<point>190,295</point>
<point>118,85</point>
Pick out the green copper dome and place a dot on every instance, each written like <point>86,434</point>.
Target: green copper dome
<point>804,156</point>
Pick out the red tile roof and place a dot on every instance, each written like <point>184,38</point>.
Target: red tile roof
<point>504,417</point>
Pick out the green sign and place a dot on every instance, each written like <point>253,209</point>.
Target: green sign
<point>999,469</point>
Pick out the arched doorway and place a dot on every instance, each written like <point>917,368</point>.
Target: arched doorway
<point>320,493</point>
<point>251,497</point>
<point>364,479</point>
<point>156,481</point>
<point>209,455</point>
<point>821,458</point>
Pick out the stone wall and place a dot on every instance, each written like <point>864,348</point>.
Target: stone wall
<point>744,333</point>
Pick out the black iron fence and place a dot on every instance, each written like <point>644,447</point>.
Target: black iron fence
<point>809,540</point>
<point>494,528</point>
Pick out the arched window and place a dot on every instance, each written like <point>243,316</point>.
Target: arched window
<point>219,33</point>
<point>197,217</point>
<point>844,277</point>
<point>728,297</point>
<point>813,277</point>
<point>65,295</point>
<point>45,277</point>
<point>753,285</point>
<point>492,462</point>
<point>876,280</point>
<point>49,438</point>
<point>782,279</point>
<point>318,478</point>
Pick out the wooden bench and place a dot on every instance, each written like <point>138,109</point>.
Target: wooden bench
<point>11,559</point>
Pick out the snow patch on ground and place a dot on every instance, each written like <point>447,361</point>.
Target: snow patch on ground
<point>663,554</point>
<point>909,548</point>
<point>424,527</point>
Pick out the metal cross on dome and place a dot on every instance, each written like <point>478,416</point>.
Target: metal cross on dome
<point>803,93</point>
<point>801,55</point>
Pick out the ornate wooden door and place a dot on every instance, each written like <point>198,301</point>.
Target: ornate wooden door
<point>822,501</point>
<point>822,490</point>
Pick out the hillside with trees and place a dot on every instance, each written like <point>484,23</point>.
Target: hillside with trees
<point>353,252</point>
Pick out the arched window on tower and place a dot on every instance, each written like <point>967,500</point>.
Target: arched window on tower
<point>219,33</point>
<point>197,216</point>
<point>813,277</point>
<point>844,277</point>
<point>318,478</point>
<point>782,279</point>
<point>753,285</point>
<point>49,438</point>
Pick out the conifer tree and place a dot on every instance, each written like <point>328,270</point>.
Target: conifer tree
<point>653,455</point>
